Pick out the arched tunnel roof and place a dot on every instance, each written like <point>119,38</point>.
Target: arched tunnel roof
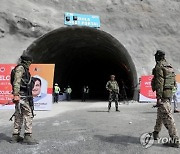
<point>67,46</point>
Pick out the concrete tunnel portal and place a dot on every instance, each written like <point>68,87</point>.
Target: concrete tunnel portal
<point>85,56</point>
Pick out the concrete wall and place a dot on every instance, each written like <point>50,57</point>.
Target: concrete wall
<point>141,26</point>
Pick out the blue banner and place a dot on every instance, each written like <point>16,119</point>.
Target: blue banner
<point>81,20</point>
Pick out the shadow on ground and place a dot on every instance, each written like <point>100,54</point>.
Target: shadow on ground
<point>155,112</point>
<point>4,137</point>
<point>117,139</point>
<point>97,111</point>
<point>124,140</point>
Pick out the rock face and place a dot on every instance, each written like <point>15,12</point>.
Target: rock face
<point>142,26</point>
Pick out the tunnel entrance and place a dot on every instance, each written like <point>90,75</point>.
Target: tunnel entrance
<point>85,56</point>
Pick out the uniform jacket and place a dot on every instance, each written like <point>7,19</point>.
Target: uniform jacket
<point>112,85</point>
<point>69,90</point>
<point>158,82</point>
<point>21,79</point>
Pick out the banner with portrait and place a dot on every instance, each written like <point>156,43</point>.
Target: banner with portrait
<point>5,86</point>
<point>43,75</point>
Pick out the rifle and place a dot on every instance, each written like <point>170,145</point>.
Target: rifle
<point>156,106</point>
<point>30,99</point>
<point>115,91</point>
<point>11,118</point>
<point>19,110</point>
<point>158,103</point>
<point>120,96</point>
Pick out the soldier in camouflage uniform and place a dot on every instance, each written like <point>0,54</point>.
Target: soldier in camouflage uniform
<point>162,83</point>
<point>23,111</point>
<point>113,88</point>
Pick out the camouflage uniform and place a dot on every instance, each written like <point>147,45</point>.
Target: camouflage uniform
<point>164,111</point>
<point>113,94</point>
<point>26,113</point>
<point>23,111</point>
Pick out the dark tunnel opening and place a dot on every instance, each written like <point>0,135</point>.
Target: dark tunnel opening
<point>85,56</point>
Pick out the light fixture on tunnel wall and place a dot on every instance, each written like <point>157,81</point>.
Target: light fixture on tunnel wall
<point>74,17</point>
<point>67,18</point>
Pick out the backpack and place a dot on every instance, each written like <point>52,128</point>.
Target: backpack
<point>13,74</point>
<point>14,71</point>
<point>169,76</point>
<point>153,81</point>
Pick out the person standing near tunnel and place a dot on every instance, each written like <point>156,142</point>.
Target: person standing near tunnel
<point>85,93</point>
<point>174,98</point>
<point>56,93</point>
<point>113,88</point>
<point>163,83</point>
<point>68,93</point>
<point>22,86</point>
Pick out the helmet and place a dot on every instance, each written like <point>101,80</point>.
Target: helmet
<point>56,84</point>
<point>160,53</point>
<point>112,76</point>
<point>26,58</point>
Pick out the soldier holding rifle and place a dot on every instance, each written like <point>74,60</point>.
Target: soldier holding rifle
<point>113,88</point>
<point>22,85</point>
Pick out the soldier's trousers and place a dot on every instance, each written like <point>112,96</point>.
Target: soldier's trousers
<point>23,116</point>
<point>164,116</point>
<point>113,97</point>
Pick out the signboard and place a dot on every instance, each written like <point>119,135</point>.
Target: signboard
<point>178,87</point>
<point>81,20</point>
<point>5,86</point>
<point>42,92</point>
<point>43,88</point>
<point>146,93</point>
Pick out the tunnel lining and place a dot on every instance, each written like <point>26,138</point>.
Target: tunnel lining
<point>74,38</point>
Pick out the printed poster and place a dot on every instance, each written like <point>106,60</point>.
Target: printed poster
<point>42,92</point>
<point>178,87</point>
<point>146,93</point>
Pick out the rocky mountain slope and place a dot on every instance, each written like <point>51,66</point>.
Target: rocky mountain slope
<point>142,26</point>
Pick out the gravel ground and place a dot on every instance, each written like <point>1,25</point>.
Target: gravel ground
<point>87,128</point>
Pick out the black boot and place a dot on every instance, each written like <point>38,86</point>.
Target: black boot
<point>117,110</point>
<point>16,138</point>
<point>155,135</point>
<point>29,140</point>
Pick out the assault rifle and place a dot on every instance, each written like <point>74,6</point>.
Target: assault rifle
<point>31,104</point>
<point>30,98</point>
<point>114,91</point>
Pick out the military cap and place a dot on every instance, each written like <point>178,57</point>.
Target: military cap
<point>56,84</point>
<point>26,58</point>
<point>112,76</point>
<point>160,53</point>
